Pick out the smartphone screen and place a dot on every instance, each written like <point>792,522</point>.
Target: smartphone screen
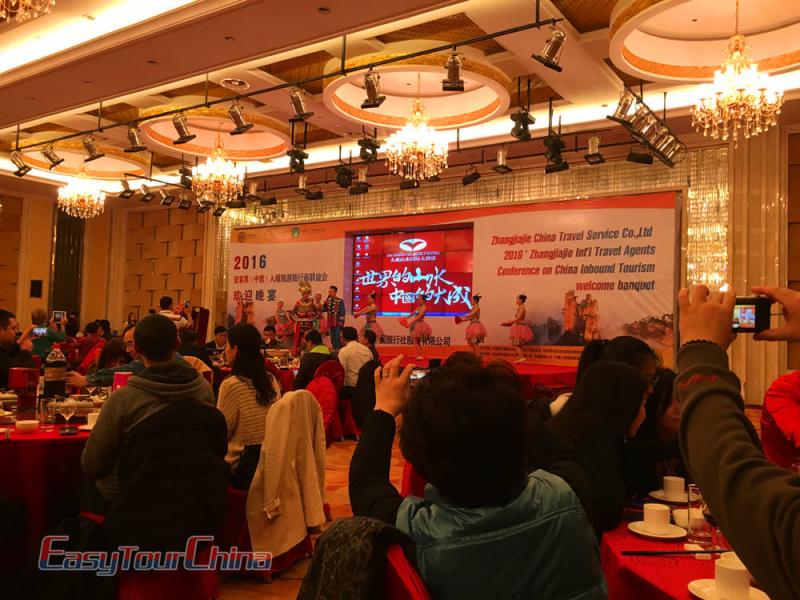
<point>418,374</point>
<point>751,315</point>
<point>59,315</point>
<point>40,331</point>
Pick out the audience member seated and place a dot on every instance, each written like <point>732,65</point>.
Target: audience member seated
<point>112,355</point>
<point>755,502</point>
<point>9,345</point>
<point>316,354</point>
<point>465,359</point>
<point>369,338</point>
<point>71,327</point>
<point>245,399</point>
<point>43,344</point>
<point>606,408</point>
<point>486,527</point>
<point>353,356</point>
<point>190,347</point>
<point>216,347</point>
<point>87,342</point>
<point>780,421</point>
<point>104,329</point>
<point>181,318</point>
<point>270,340</point>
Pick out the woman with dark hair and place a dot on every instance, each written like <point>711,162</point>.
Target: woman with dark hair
<point>245,398</point>
<point>476,332</point>
<point>605,410</point>
<point>371,312</point>
<point>113,354</point>
<point>520,332</point>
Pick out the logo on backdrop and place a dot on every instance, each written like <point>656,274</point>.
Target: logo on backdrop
<point>413,245</point>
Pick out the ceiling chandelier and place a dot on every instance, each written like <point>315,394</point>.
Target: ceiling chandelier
<point>81,197</point>
<point>218,180</point>
<point>24,10</point>
<point>740,98</point>
<point>417,151</point>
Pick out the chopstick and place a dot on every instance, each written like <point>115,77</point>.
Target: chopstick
<point>668,552</point>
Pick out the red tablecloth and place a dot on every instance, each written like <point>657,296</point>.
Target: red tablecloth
<point>650,577</point>
<point>40,470</point>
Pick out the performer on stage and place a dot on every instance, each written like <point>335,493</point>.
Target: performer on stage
<point>334,307</point>
<point>283,321</point>
<point>320,324</point>
<point>520,331</point>
<point>303,315</point>
<point>420,331</point>
<point>476,332</point>
<point>371,311</point>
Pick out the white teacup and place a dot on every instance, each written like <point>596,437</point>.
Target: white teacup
<point>656,518</point>
<point>680,516</point>
<point>674,489</point>
<point>732,579</point>
<point>91,418</point>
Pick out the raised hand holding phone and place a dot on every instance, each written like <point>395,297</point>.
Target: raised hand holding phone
<point>706,316</point>
<point>790,302</point>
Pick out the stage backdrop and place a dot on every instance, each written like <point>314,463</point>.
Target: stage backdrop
<point>590,269</point>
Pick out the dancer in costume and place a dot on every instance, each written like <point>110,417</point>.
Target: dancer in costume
<point>476,332</point>
<point>334,307</point>
<point>371,311</point>
<point>303,315</point>
<point>420,331</point>
<point>520,331</point>
<point>320,324</point>
<point>283,321</point>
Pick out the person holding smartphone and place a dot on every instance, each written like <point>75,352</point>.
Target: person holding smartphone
<point>755,502</point>
<point>45,333</point>
<point>182,317</point>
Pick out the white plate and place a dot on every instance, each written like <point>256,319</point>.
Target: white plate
<point>673,532</point>
<point>707,590</point>
<point>659,495</point>
<point>85,427</point>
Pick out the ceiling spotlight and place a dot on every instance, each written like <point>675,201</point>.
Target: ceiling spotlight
<point>471,176</point>
<point>126,192</point>
<point>501,166</point>
<point>238,202</point>
<point>344,176</point>
<point>318,195</point>
<point>626,100</point>
<point>357,190</point>
<point>522,121</point>
<point>182,127</point>
<point>166,198</point>
<point>433,178</point>
<point>147,195</point>
<point>369,149</point>
<point>640,157</point>
<point>186,177</point>
<point>204,206</point>
<point>91,148</point>
<point>219,211</point>
<point>238,119</point>
<point>362,185</point>
<point>555,160</point>
<point>297,96</point>
<point>453,83</point>
<point>297,159</point>
<point>593,156</point>
<point>50,155</point>
<point>409,184</point>
<point>372,84</point>
<point>302,184</point>
<point>135,143</point>
<point>19,162</point>
<point>551,54</point>
<point>272,200</point>
<point>184,202</point>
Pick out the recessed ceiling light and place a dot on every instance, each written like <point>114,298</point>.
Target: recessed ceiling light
<point>229,38</point>
<point>694,20</point>
<point>323,10</point>
<point>234,84</point>
<point>88,17</point>
<point>151,62</point>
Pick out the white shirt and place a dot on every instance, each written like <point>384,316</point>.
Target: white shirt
<point>353,356</point>
<point>179,321</point>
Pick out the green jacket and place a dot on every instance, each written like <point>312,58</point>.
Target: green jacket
<point>43,344</point>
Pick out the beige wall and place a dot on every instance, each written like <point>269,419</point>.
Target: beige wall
<point>36,250</point>
<point>97,260</point>
<point>10,234</point>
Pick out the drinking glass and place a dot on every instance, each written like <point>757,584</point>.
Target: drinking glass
<point>47,414</point>
<point>698,533</point>
<point>67,410</point>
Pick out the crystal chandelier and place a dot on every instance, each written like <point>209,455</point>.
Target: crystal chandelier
<point>81,197</point>
<point>218,180</point>
<point>739,98</point>
<point>417,151</point>
<point>24,10</point>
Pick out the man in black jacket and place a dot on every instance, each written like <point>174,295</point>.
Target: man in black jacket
<point>9,345</point>
<point>315,355</point>
<point>190,347</point>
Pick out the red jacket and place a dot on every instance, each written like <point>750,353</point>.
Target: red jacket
<point>780,420</point>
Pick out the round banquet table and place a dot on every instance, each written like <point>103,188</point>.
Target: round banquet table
<point>650,577</point>
<point>42,471</point>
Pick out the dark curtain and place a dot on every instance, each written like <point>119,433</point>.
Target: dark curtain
<point>65,288</point>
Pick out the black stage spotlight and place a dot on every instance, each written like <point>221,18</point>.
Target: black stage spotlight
<point>91,148</point>
<point>134,140</point>
<point>297,97</point>
<point>184,203</point>
<point>372,85</point>
<point>409,184</point>
<point>126,192</point>
<point>302,184</point>
<point>238,119</point>
<point>272,200</point>
<point>318,195</point>
<point>642,158</point>
<point>522,121</point>
<point>369,149</point>
<point>453,83</point>
<point>50,155</point>
<point>19,162</point>
<point>182,127</point>
<point>344,176</point>
<point>238,202</point>
<point>297,159</point>
<point>219,211</point>
<point>358,189</point>
<point>501,166</point>
<point>147,195</point>
<point>551,54</point>
<point>166,198</point>
<point>472,175</point>
<point>555,160</point>
<point>593,156</point>
<point>204,205</point>
<point>433,178</point>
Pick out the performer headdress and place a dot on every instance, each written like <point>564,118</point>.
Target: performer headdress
<point>304,287</point>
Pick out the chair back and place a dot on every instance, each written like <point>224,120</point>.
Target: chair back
<point>403,582</point>
<point>333,370</point>
<point>324,392</point>
<point>412,483</point>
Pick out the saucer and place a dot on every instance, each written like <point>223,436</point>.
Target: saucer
<point>673,531</point>
<point>659,495</point>
<point>707,590</point>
